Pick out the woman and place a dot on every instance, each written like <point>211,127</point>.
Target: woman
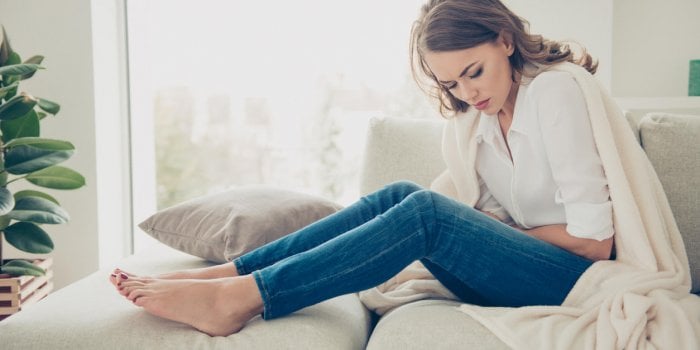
<point>542,218</point>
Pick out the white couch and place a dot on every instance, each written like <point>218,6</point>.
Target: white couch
<point>90,315</point>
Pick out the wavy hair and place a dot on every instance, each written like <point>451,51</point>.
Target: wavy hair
<point>447,25</point>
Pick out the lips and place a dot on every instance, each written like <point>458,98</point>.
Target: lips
<point>482,104</point>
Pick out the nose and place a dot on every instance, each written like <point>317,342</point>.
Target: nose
<point>467,93</point>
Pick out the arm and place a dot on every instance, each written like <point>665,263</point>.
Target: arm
<point>557,235</point>
<point>588,248</point>
<point>576,166</point>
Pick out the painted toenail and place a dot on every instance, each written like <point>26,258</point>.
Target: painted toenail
<point>124,276</point>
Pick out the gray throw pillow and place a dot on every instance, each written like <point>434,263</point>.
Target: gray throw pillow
<point>224,226</point>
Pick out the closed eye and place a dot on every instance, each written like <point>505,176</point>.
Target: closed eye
<point>477,73</point>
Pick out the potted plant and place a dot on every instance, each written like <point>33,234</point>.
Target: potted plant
<point>26,157</point>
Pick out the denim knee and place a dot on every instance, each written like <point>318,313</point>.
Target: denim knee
<point>404,187</point>
<point>426,208</point>
<point>434,210</point>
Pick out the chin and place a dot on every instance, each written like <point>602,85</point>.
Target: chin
<point>491,111</point>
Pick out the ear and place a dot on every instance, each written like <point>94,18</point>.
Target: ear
<point>506,39</point>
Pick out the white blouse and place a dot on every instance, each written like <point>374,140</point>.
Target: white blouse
<point>555,175</point>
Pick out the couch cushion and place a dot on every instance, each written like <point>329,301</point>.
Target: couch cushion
<point>431,324</point>
<point>671,143</point>
<point>89,314</point>
<point>401,149</point>
<point>635,115</point>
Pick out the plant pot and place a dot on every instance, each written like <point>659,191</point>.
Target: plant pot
<point>19,292</point>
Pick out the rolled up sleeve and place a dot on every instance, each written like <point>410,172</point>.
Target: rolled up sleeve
<point>589,220</point>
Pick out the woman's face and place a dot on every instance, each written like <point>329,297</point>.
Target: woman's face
<point>480,76</point>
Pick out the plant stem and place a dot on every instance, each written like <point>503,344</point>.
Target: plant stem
<point>15,179</point>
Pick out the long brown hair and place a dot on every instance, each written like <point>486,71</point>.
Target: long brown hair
<point>447,25</point>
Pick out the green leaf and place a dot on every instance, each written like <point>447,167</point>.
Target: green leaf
<point>13,59</point>
<point>31,193</point>
<point>13,91</point>
<point>38,210</point>
<point>58,145</point>
<point>25,159</point>
<point>7,201</point>
<point>28,237</point>
<point>57,177</point>
<point>5,51</point>
<point>4,222</point>
<point>17,107</point>
<point>20,69</point>
<point>33,60</point>
<point>22,268</point>
<point>49,106</point>
<point>26,126</point>
<point>4,91</point>
<point>37,59</point>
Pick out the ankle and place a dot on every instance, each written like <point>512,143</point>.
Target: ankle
<point>253,298</point>
<point>224,270</point>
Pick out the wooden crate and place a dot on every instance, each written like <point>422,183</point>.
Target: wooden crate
<point>19,292</point>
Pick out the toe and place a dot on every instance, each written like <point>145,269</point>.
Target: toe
<point>141,301</point>
<point>130,285</point>
<point>113,279</point>
<point>143,280</point>
<point>137,293</point>
<point>126,287</point>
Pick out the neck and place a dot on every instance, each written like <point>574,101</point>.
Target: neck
<point>509,106</point>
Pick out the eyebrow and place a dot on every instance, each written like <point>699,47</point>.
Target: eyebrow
<point>460,74</point>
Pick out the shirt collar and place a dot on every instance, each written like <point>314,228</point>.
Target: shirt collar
<point>488,126</point>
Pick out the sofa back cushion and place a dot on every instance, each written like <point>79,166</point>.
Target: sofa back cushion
<point>635,115</point>
<point>671,143</point>
<point>401,149</point>
<point>409,149</point>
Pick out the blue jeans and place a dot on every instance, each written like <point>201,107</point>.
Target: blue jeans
<point>478,258</point>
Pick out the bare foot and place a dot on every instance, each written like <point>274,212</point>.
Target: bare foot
<point>119,275</point>
<point>211,272</point>
<point>218,307</point>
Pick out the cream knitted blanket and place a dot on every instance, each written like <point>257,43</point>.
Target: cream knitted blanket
<point>641,300</point>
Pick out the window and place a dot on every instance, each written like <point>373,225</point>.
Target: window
<point>229,93</point>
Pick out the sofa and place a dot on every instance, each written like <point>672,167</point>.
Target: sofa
<point>90,315</point>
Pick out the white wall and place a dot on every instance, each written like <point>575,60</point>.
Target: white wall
<point>643,45</point>
<point>588,23</point>
<point>654,41</point>
<point>62,32</point>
